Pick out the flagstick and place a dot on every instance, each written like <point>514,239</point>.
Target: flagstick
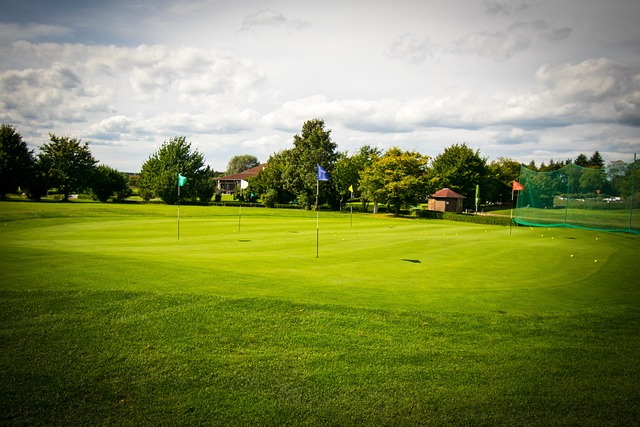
<point>511,215</point>
<point>317,218</point>
<point>633,185</point>
<point>239,215</point>
<point>178,210</point>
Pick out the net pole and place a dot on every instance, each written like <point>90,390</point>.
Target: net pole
<point>566,199</point>
<point>633,184</point>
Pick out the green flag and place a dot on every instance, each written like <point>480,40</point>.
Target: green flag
<point>477,195</point>
<point>182,180</point>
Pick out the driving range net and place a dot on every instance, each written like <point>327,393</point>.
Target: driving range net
<point>576,197</point>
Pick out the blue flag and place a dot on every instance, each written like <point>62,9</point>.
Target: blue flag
<point>322,174</point>
<point>182,180</point>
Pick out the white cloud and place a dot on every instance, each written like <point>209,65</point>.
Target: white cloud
<point>272,19</point>
<point>10,32</point>
<point>493,45</point>
<point>135,74</point>
<point>596,89</point>
<point>506,8</point>
<point>410,47</point>
<point>56,94</point>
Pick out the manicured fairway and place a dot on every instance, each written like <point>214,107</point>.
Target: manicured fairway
<point>108,318</point>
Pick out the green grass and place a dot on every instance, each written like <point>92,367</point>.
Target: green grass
<point>108,319</point>
<point>615,219</point>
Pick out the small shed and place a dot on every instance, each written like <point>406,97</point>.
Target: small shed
<point>446,200</point>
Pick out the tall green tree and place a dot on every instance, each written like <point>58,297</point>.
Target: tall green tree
<point>631,182</point>
<point>269,182</point>
<point>397,178</point>
<point>37,180</point>
<point>68,164</point>
<point>159,174</point>
<point>581,160</point>
<point>500,176</point>
<point>596,160</point>
<point>592,181</point>
<point>459,168</point>
<point>108,182</point>
<point>347,172</point>
<point>241,163</point>
<point>616,171</point>
<point>205,184</point>
<point>552,166</point>
<point>15,161</point>
<point>313,146</point>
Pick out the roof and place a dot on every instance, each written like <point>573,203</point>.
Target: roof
<point>446,193</point>
<point>244,174</point>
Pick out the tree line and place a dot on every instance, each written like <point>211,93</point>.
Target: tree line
<point>403,178</point>
<point>398,178</point>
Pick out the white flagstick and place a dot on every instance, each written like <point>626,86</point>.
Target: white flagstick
<point>511,215</point>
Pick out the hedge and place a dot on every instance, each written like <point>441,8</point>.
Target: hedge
<point>476,219</point>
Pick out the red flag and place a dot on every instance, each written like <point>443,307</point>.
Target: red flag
<point>517,186</point>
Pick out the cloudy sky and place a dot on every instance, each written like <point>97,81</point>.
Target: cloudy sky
<point>526,79</point>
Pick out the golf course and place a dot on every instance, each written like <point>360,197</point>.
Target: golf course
<point>126,314</point>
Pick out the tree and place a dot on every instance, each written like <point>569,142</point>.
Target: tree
<point>15,161</point>
<point>159,174</point>
<point>37,180</point>
<point>616,171</point>
<point>313,146</point>
<point>592,181</point>
<point>109,182</point>
<point>631,182</point>
<point>347,172</point>
<point>581,160</point>
<point>596,161</point>
<point>68,164</point>
<point>241,163</point>
<point>205,184</point>
<point>500,176</point>
<point>552,166</point>
<point>460,169</point>
<point>269,181</point>
<point>397,178</point>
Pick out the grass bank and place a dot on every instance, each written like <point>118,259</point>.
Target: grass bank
<point>108,319</point>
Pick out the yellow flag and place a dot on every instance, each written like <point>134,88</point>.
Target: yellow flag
<point>351,188</point>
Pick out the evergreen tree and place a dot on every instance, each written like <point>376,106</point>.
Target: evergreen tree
<point>596,161</point>
<point>581,160</point>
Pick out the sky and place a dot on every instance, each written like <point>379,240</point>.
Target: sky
<point>524,79</point>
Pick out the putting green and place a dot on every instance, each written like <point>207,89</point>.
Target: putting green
<point>368,261</point>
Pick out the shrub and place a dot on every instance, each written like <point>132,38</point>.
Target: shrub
<point>270,198</point>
